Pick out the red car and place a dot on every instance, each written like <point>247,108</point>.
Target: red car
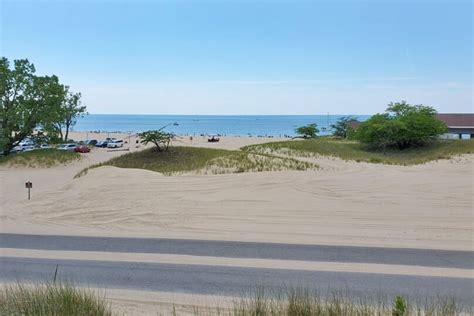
<point>82,149</point>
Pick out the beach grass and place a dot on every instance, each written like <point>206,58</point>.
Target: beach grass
<point>300,301</point>
<point>354,151</point>
<point>40,158</point>
<point>51,299</point>
<point>182,159</point>
<point>67,299</point>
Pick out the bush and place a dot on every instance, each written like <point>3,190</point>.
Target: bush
<point>399,306</point>
<point>401,126</point>
<point>310,130</point>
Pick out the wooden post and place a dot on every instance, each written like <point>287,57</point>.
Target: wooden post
<point>29,186</point>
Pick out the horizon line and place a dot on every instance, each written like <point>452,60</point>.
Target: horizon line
<point>322,114</point>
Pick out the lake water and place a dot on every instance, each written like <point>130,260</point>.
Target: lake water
<point>232,125</point>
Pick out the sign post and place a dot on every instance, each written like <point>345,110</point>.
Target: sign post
<point>29,186</point>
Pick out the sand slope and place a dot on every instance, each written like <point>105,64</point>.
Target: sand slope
<point>427,206</point>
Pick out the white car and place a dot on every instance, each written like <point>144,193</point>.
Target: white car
<point>24,146</point>
<point>28,148</point>
<point>70,147</point>
<point>26,142</point>
<point>115,143</point>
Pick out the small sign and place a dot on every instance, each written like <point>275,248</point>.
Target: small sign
<point>29,186</point>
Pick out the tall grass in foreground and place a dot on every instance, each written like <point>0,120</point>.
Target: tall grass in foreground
<point>352,150</point>
<point>65,299</point>
<point>51,299</point>
<point>301,302</point>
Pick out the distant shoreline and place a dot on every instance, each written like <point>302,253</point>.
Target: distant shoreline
<point>195,125</point>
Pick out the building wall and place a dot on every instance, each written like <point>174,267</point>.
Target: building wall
<point>459,133</point>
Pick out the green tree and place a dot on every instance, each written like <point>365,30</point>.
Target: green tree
<point>159,138</point>
<point>401,126</point>
<point>308,131</point>
<point>340,128</point>
<point>65,116</point>
<point>26,102</point>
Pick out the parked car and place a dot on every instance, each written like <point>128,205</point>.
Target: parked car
<point>102,143</point>
<point>44,146</point>
<point>71,147</point>
<point>23,146</point>
<point>26,142</point>
<point>92,142</point>
<point>116,143</point>
<point>28,148</point>
<point>16,149</point>
<point>82,149</point>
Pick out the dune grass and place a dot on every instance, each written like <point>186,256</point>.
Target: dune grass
<point>40,158</point>
<point>352,150</point>
<point>66,299</point>
<point>202,160</point>
<point>51,299</point>
<point>300,302</point>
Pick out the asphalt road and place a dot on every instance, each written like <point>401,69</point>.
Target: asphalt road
<point>205,279</point>
<point>233,249</point>
<point>208,279</point>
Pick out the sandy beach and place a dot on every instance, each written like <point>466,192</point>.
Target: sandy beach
<point>426,206</point>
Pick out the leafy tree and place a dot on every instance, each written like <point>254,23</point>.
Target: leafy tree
<point>159,138</point>
<point>65,116</point>
<point>26,101</point>
<point>308,131</point>
<point>341,128</point>
<point>401,126</point>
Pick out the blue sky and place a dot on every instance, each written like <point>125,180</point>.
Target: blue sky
<point>249,57</point>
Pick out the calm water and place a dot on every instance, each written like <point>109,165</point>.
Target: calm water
<point>232,125</point>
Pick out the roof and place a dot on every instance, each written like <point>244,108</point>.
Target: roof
<point>465,120</point>
<point>457,119</point>
<point>353,124</point>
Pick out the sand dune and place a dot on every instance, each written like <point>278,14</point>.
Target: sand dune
<point>427,206</point>
<point>342,203</point>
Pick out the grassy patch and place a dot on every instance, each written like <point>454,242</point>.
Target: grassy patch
<point>350,150</point>
<point>297,302</point>
<point>51,299</point>
<point>202,160</point>
<point>40,158</point>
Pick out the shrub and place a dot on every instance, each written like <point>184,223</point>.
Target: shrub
<point>399,306</point>
<point>401,126</point>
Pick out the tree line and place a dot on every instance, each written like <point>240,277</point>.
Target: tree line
<point>34,106</point>
<point>401,126</point>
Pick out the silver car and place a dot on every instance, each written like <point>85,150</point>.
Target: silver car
<point>70,147</point>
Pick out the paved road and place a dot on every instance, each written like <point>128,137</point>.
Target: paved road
<point>205,279</point>
<point>232,249</point>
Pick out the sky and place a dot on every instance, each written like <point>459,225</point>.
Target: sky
<point>248,57</point>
